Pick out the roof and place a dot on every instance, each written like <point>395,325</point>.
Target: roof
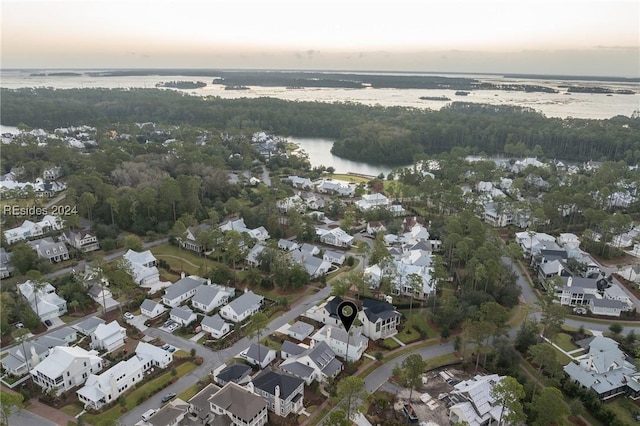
<point>154,352</point>
<point>245,302</point>
<point>182,312</point>
<point>297,369</point>
<point>207,293</point>
<point>141,258</point>
<point>238,401</point>
<point>258,352</point>
<point>201,399</point>
<point>62,333</point>
<point>61,357</point>
<point>234,373</point>
<point>337,333</point>
<point>215,322</point>
<point>292,348</point>
<point>332,306</point>
<point>378,309</point>
<point>169,414</point>
<point>301,328</point>
<point>183,286</point>
<point>608,303</point>
<point>149,305</point>
<point>268,379</point>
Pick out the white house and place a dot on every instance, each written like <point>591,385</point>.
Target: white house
<point>607,307</point>
<point>151,309</point>
<point>287,245</point>
<point>43,300</point>
<point>335,257</point>
<point>65,368</point>
<point>258,354</point>
<point>183,315</point>
<point>284,393</point>
<point>379,319</point>
<point>300,182</point>
<point>209,297</point>
<point>335,237</point>
<point>81,239</point>
<point>370,201</point>
<point>215,326</point>
<point>89,325</point>
<point>300,330</point>
<point>317,362</point>
<point>190,241</point>
<point>18,363</point>
<point>108,337</point>
<point>349,346</point>
<point>143,267</point>
<point>473,403</point>
<point>241,308</point>
<point>182,290</point>
<point>105,388</point>
<point>156,356</point>
<point>241,406</point>
<point>53,251</point>
<point>253,257</point>
<point>375,227</point>
<point>631,273</point>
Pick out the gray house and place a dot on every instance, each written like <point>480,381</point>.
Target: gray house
<point>284,393</point>
<point>236,373</point>
<point>241,406</point>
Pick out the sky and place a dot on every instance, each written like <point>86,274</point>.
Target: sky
<point>571,37</point>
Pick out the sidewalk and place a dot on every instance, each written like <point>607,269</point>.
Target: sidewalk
<point>49,413</point>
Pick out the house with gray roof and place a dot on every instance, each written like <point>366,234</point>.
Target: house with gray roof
<point>199,403</point>
<point>240,405</point>
<point>89,325</point>
<point>51,250</point>
<point>284,393</point>
<point>43,300</point>
<point>287,245</point>
<point>606,307</point>
<point>605,369</point>
<point>258,354</point>
<point>334,256</point>
<point>236,373</point>
<point>241,308</point>
<point>300,330</point>
<point>151,309</point>
<point>171,414</point>
<point>17,362</point>
<point>290,349</point>
<point>209,297</point>
<point>379,319</point>
<point>183,315</point>
<point>182,290</point>
<point>317,362</point>
<point>253,257</point>
<point>350,346</point>
<point>6,267</point>
<point>215,326</point>
<point>472,402</point>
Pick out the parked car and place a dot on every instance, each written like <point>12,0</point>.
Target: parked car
<point>167,323</point>
<point>19,325</point>
<point>168,397</point>
<point>172,349</point>
<point>48,323</point>
<point>128,315</point>
<point>174,326</point>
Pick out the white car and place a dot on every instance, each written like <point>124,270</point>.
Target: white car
<point>129,315</point>
<point>174,326</point>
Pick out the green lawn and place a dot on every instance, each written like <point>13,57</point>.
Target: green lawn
<point>390,344</point>
<point>563,340</point>
<point>442,360</point>
<point>187,260</point>
<point>350,178</point>
<point>110,417</point>
<point>408,335</point>
<point>624,408</point>
<point>188,393</point>
<point>419,320</point>
<point>72,409</point>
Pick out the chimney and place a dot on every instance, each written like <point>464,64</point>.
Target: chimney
<point>312,344</point>
<point>277,400</point>
<point>182,274</point>
<point>208,281</point>
<point>569,281</point>
<point>559,269</point>
<point>328,333</point>
<point>246,289</point>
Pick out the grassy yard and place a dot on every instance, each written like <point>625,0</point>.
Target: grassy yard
<point>350,178</point>
<point>419,321</point>
<point>188,393</point>
<point>110,417</point>
<point>190,262</point>
<point>408,335</point>
<point>442,360</point>
<point>563,340</point>
<point>72,409</point>
<point>390,344</point>
<point>624,408</point>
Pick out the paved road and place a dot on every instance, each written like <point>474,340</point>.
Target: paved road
<point>27,418</point>
<point>213,359</point>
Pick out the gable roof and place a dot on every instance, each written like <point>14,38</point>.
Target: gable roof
<point>238,401</point>
<point>89,325</point>
<point>61,357</point>
<point>268,379</point>
<point>182,312</point>
<point>104,331</point>
<point>291,348</point>
<point>332,306</point>
<point>245,302</point>
<point>234,373</point>
<point>257,350</point>
<point>378,309</point>
<point>301,328</point>
<point>183,286</point>
<point>149,305</point>
<point>215,322</point>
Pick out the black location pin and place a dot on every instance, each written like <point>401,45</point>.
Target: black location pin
<point>347,311</point>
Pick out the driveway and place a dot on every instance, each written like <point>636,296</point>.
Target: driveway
<point>138,322</point>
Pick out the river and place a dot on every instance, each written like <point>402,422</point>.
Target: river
<point>577,105</point>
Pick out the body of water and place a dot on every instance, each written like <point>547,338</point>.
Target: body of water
<point>319,152</point>
<point>577,105</point>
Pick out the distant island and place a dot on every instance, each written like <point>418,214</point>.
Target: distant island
<point>56,74</point>
<point>435,98</point>
<point>601,90</point>
<point>236,88</point>
<point>182,84</point>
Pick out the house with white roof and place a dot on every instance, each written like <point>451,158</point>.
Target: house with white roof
<point>372,201</point>
<point>351,345</point>
<point>182,290</point>
<point>334,256</point>
<point>105,388</point>
<point>472,402</point>
<point>65,368</point>
<point>259,234</point>
<point>6,267</point>
<point>529,239</point>
<point>291,203</point>
<point>43,300</point>
<point>316,362</point>
<point>335,186</point>
<point>215,326</point>
<point>631,273</point>
<point>606,370</point>
<point>143,267</point>
<point>30,229</point>
<point>108,337</point>
<point>152,309</point>
<point>335,237</point>
<point>241,308</point>
<point>155,355</point>
<point>300,182</point>
<point>287,245</point>
<point>209,297</point>
<point>18,363</point>
<point>82,239</point>
<point>183,315</point>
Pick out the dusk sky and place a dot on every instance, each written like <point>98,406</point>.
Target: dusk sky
<point>516,36</point>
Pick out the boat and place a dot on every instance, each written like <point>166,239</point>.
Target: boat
<point>461,93</point>
<point>410,413</point>
<point>435,98</point>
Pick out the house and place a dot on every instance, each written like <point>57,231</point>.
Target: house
<point>577,291</point>
<point>209,297</point>
<point>379,319</point>
<point>182,290</point>
<point>89,325</point>
<point>309,249</point>
<point>153,356</point>
<point>258,354</point>
<point>548,270</point>
<point>190,241</point>
<point>253,257</point>
<point>287,245</point>
<point>242,307</point>
<point>48,249</point>
<point>241,406</point>
<point>99,293</point>
<point>631,273</point>
<point>108,337</point>
<point>371,201</point>
<point>335,237</point>
<point>81,239</point>
<point>335,257</point>
<point>18,363</point>
<point>284,393</point>
<point>291,203</point>
<point>314,266</point>
<point>300,182</point>
<point>348,346</point>
<point>607,307</point>
<point>143,267</point>
<point>105,388</point>
<point>472,402</point>
<point>30,229</point>
<point>66,334</point>
<point>172,413</point>
<point>529,239</point>
<point>397,210</point>
<point>6,267</point>
<point>199,404</point>
<point>317,362</point>
<point>183,315</point>
<point>338,187</point>
<point>326,313</point>
<point>151,309</point>
<point>259,234</point>
<point>606,370</point>
<point>43,300</point>
<point>300,330</point>
<point>65,368</point>
<point>215,326</point>
<point>375,227</point>
<point>51,173</point>
<point>236,373</point>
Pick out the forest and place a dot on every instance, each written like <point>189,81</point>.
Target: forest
<point>375,134</point>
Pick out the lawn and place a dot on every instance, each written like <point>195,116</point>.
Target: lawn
<point>563,340</point>
<point>110,416</point>
<point>408,334</point>
<point>624,408</point>
<point>72,409</point>
<point>419,321</point>
<point>188,393</point>
<point>390,344</point>
<point>351,178</point>
<point>442,360</point>
<point>186,260</point>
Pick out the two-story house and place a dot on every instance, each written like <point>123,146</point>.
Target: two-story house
<point>108,337</point>
<point>379,319</point>
<point>241,308</point>
<point>81,239</point>
<point>317,362</point>
<point>43,300</point>
<point>182,290</point>
<point>284,393</point>
<point>349,346</point>
<point>241,406</point>
<point>65,368</point>
<point>209,297</point>
<point>105,388</point>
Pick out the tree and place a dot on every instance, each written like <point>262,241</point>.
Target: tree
<point>544,356</point>
<point>24,258</point>
<point>256,327</point>
<point>548,407</point>
<point>352,396</point>
<point>508,393</point>
<point>133,242</point>
<point>337,418</point>
<point>527,336</point>
<point>414,282</point>
<point>410,371</point>
<point>615,328</point>
<point>9,401</point>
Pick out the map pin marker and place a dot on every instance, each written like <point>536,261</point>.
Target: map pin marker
<point>347,312</point>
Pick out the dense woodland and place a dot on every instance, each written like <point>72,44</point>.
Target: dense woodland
<point>391,135</point>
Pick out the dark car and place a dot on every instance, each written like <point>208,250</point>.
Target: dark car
<point>168,397</point>
<point>48,323</point>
